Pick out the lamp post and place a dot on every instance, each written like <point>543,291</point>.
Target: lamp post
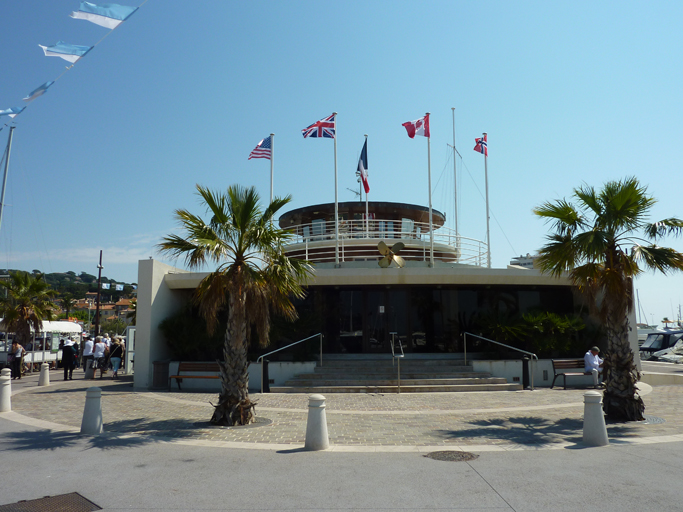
<point>99,287</point>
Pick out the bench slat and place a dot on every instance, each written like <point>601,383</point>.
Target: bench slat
<point>213,368</point>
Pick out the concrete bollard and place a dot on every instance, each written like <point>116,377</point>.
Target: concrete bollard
<point>316,426</point>
<point>594,428</point>
<point>89,370</point>
<point>6,390</point>
<point>44,378</point>
<point>92,413</point>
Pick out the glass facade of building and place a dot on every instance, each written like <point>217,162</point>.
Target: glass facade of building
<point>360,319</point>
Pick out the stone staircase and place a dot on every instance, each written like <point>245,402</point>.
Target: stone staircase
<point>375,374</point>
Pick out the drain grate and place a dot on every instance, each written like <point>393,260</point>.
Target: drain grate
<point>653,419</point>
<point>452,456</point>
<point>72,502</point>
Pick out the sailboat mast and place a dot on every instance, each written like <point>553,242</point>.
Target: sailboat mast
<point>4,179</point>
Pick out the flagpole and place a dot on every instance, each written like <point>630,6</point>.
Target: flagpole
<point>488,232</point>
<point>429,180</point>
<point>4,179</point>
<point>367,222</point>
<point>336,198</point>
<point>272,158</point>
<point>455,188</point>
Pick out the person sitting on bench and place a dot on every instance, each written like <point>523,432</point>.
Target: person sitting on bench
<point>593,364</point>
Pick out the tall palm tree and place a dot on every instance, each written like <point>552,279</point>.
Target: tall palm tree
<point>603,243</point>
<point>67,303</point>
<point>27,304</point>
<point>254,275</point>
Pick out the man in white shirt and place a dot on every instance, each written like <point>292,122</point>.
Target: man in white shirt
<point>87,354</point>
<point>593,364</point>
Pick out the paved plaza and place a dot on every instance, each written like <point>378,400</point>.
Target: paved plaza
<point>159,453</point>
<point>539,419</point>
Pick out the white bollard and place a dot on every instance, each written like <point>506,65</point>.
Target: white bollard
<point>594,428</point>
<point>316,426</point>
<point>92,413</point>
<point>6,390</point>
<point>44,378</point>
<point>89,371</point>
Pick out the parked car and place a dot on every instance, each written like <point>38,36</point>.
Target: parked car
<point>657,341</point>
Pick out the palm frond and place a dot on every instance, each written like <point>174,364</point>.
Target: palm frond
<point>670,226</point>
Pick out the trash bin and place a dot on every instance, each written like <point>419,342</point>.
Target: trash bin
<point>160,375</point>
<point>525,372</point>
<point>266,378</point>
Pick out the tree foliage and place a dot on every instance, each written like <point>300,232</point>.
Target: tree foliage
<point>27,304</point>
<point>253,276</point>
<point>601,242</point>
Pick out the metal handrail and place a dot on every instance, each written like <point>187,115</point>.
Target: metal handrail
<point>291,345</point>
<point>398,357</point>
<point>533,356</point>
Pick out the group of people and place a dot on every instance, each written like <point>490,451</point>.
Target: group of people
<point>102,353</point>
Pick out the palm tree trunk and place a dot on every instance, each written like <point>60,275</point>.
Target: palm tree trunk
<point>621,400</point>
<point>234,406</point>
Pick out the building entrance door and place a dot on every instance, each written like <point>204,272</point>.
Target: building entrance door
<point>375,331</point>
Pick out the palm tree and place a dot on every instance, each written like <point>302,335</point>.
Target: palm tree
<point>67,303</point>
<point>603,243</point>
<point>132,314</point>
<point>253,275</point>
<point>27,304</point>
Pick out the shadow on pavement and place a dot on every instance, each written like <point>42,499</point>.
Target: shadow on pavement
<point>173,428</point>
<point>524,430</point>
<point>533,430</point>
<point>49,440</point>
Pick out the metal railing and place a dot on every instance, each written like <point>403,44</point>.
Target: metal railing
<point>315,241</point>
<point>261,358</point>
<point>533,356</point>
<point>397,357</point>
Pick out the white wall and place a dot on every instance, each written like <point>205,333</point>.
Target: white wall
<point>155,303</point>
<point>280,372</point>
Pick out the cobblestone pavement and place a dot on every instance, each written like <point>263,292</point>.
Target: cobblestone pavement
<point>543,418</point>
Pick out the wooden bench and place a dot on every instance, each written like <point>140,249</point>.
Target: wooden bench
<point>564,367</point>
<point>205,368</point>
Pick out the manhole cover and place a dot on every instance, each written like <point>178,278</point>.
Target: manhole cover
<point>452,456</point>
<point>259,422</point>
<point>653,419</point>
<point>72,502</point>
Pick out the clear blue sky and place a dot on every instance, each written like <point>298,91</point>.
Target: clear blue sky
<point>569,92</point>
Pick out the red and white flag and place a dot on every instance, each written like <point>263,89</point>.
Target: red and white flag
<point>482,145</point>
<point>418,127</point>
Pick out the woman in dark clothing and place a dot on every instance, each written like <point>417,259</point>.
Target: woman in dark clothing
<point>68,359</point>
<point>17,355</point>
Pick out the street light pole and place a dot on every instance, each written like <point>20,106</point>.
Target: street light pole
<point>99,287</point>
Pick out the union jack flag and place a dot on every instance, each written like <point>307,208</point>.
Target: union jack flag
<point>482,146</point>
<point>324,128</point>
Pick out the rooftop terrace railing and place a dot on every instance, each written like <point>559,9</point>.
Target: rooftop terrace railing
<point>315,241</point>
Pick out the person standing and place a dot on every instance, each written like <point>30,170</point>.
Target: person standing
<point>98,355</point>
<point>88,358</point>
<point>68,359</point>
<point>115,356</point>
<point>17,355</point>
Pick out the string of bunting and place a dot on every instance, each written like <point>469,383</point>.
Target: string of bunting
<point>105,15</point>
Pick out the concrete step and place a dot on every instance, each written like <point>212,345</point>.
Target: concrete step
<point>300,381</point>
<point>383,363</point>
<point>392,375</point>
<point>394,389</point>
